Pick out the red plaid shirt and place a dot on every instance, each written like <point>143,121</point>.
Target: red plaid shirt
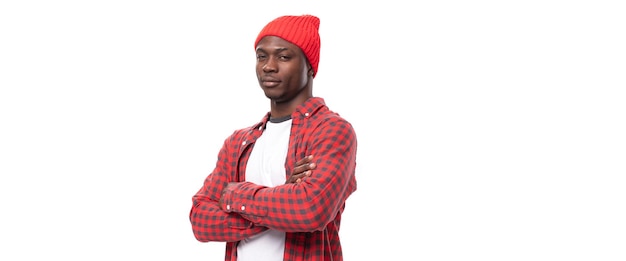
<point>310,211</point>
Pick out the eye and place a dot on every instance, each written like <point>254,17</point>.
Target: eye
<point>260,56</point>
<point>284,57</point>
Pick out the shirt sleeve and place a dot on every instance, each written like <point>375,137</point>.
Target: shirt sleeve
<point>208,221</point>
<point>313,203</point>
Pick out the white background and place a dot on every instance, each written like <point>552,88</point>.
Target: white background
<point>488,130</point>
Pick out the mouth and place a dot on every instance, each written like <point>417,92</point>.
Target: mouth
<point>270,82</point>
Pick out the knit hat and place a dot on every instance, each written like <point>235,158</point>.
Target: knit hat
<point>299,30</point>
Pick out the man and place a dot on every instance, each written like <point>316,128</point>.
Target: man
<point>279,187</point>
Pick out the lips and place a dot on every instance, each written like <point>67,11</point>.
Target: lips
<point>270,82</point>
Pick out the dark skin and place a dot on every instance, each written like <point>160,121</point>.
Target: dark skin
<point>284,75</point>
<point>303,169</point>
<point>286,78</point>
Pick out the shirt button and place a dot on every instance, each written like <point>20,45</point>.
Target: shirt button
<point>306,114</point>
<point>243,208</point>
<point>228,207</point>
<point>243,143</point>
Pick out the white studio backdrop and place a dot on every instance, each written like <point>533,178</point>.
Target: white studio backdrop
<point>488,130</point>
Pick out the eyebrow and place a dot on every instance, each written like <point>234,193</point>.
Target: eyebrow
<point>277,50</point>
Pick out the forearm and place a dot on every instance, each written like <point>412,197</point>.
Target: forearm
<point>210,223</point>
<point>304,207</point>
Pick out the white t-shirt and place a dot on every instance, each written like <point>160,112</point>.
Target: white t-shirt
<point>266,166</point>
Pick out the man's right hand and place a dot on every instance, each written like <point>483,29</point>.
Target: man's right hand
<point>303,169</point>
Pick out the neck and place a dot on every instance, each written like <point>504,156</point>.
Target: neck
<point>284,109</point>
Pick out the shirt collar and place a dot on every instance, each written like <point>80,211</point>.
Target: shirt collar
<point>303,111</point>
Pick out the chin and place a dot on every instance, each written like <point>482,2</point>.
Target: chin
<point>276,99</point>
<point>272,95</point>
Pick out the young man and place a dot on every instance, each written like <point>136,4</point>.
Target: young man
<point>279,187</point>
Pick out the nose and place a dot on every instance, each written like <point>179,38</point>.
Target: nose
<point>269,66</point>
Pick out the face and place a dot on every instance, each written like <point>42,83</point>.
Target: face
<point>282,69</point>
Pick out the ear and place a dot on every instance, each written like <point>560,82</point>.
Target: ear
<point>311,72</point>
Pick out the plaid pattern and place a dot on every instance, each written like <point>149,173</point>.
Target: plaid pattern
<point>310,211</point>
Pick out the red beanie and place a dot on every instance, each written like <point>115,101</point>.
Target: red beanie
<point>299,30</point>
